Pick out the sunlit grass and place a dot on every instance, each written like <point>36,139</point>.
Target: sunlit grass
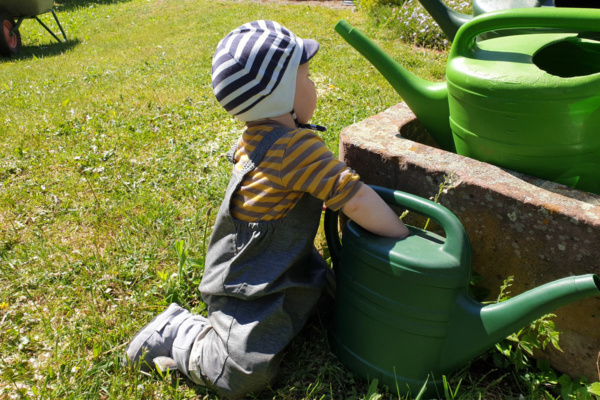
<point>111,153</point>
<point>111,171</point>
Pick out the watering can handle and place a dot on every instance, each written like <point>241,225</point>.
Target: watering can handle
<point>570,19</point>
<point>455,233</point>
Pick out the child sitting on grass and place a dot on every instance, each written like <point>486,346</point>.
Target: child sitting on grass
<point>263,276</point>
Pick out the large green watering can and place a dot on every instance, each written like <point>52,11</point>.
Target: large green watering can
<point>450,20</point>
<point>403,314</point>
<point>527,102</point>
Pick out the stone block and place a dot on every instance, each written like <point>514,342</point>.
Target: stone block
<point>532,229</point>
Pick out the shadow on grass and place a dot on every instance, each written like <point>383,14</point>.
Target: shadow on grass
<point>41,51</point>
<point>67,5</point>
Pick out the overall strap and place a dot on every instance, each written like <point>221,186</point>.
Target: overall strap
<point>256,156</point>
<point>259,152</point>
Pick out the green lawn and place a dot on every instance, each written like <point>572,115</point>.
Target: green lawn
<point>111,154</point>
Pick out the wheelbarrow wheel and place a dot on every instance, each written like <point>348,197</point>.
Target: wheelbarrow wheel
<point>10,43</point>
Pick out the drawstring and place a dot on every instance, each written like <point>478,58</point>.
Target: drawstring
<point>307,126</point>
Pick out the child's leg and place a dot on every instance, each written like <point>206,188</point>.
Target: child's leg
<point>242,351</point>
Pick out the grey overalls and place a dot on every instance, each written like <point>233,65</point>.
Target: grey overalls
<point>261,283</point>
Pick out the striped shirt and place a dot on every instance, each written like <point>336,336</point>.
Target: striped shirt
<point>299,162</point>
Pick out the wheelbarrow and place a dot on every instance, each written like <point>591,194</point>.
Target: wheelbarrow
<point>12,14</point>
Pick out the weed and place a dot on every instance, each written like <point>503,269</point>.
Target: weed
<point>537,377</point>
<point>447,184</point>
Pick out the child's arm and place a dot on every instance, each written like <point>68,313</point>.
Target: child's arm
<point>369,210</point>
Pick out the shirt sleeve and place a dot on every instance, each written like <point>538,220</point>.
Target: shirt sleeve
<point>309,166</point>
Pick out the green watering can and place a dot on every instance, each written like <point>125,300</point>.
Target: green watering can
<point>450,21</point>
<point>527,102</point>
<point>402,311</point>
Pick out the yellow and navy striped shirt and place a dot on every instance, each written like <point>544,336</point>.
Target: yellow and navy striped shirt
<point>297,163</point>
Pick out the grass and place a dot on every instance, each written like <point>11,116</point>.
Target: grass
<point>111,172</point>
<point>111,154</point>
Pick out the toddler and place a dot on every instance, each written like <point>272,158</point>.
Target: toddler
<point>263,276</point>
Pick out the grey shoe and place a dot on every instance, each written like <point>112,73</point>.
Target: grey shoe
<point>155,339</point>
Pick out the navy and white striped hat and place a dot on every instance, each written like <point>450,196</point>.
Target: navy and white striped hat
<point>254,69</point>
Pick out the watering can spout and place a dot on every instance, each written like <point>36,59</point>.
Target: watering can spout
<point>479,327</point>
<point>428,100</point>
<point>448,19</point>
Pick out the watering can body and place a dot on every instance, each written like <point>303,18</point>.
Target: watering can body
<point>531,101</point>
<point>394,300</point>
<point>402,312</point>
<point>485,6</point>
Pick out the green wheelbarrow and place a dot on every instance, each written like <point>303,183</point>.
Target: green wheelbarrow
<point>12,14</point>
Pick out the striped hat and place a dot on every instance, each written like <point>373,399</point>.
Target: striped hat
<point>254,69</point>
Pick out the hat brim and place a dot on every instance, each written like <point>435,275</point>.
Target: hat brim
<point>310,49</point>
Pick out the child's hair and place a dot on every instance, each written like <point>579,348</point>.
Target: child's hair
<point>254,70</point>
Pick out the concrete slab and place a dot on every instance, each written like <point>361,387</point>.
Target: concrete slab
<point>535,230</point>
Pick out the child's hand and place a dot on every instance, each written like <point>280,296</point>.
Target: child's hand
<point>369,210</point>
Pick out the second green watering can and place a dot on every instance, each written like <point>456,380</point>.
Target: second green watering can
<point>529,102</point>
<point>402,311</point>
